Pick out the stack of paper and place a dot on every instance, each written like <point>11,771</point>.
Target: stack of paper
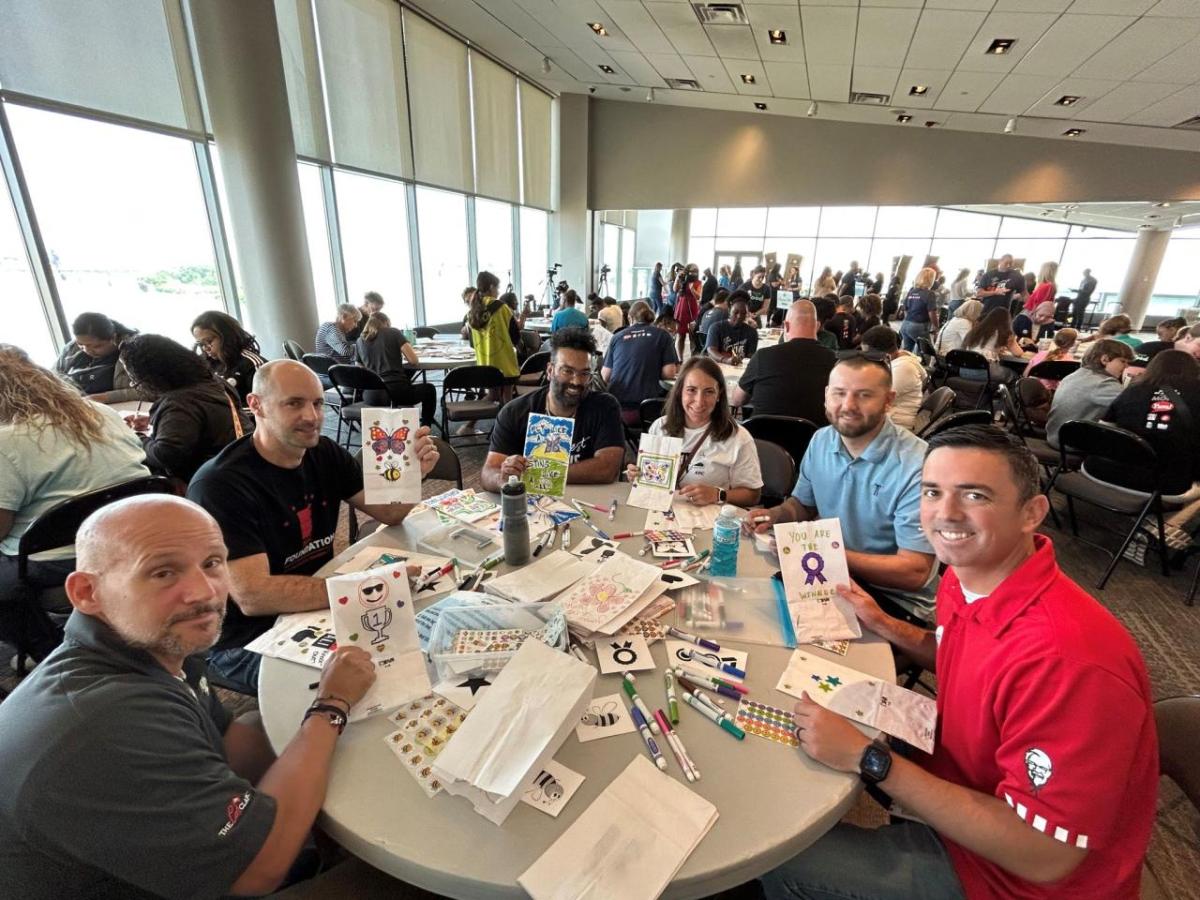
<point>545,577</point>
<point>812,558</point>
<point>610,595</point>
<point>629,843</point>
<point>515,729</point>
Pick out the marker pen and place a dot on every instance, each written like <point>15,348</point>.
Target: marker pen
<point>627,683</point>
<point>651,746</point>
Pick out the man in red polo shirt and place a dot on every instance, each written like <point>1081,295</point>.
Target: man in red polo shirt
<point>1044,777</point>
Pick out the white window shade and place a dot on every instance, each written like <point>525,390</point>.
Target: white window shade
<point>362,53</point>
<point>535,146</point>
<point>301,72</point>
<point>494,101</point>
<point>441,109</point>
<point>118,56</point>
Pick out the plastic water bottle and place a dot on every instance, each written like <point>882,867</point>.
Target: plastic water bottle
<point>514,520</point>
<point>727,533</point>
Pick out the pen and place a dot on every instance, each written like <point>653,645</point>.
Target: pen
<point>433,576</point>
<point>543,542</point>
<point>670,564</point>
<point>578,654</point>
<point>715,703</point>
<point>699,707</point>
<point>696,561</point>
<point>672,699</point>
<point>691,638</point>
<point>594,506</point>
<point>718,665</point>
<point>673,743</point>
<point>579,509</point>
<point>588,522</point>
<point>651,746</point>
<point>612,510</point>
<point>566,537</point>
<point>627,534</point>
<point>720,685</point>
<point>627,683</point>
<point>689,681</point>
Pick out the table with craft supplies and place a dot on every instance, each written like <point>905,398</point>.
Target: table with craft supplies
<point>772,800</point>
<point>442,354</point>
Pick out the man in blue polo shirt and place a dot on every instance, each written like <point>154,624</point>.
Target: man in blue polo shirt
<point>865,471</point>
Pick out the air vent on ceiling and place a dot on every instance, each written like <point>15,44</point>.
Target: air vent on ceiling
<point>1192,124</point>
<point>872,99</point>
<point>683,84</point>
<point>720,13</point>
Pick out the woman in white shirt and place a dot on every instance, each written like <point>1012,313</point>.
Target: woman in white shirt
<point>720,461</point>
<point>965,317</point>
<point>908,375</point>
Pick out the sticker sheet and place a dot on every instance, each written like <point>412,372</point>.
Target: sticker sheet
<point>373,610</point>
<point>623,653</point>
<point>657,469</point>
<point>499,640</point>
<point>547,454</point>
<point>391,470</point>
<point>839,648</point>
<point>901,713</point>
<point>610,589</point>
<point>648,628</point>
<point>604,717</point>
<point>422,728</point>
<point>551,788</point>
<point>812,558</point>
<point>768,722</point>
<point>307,638</point>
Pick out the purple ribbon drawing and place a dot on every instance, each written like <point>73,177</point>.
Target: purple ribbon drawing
<point>814,571</point>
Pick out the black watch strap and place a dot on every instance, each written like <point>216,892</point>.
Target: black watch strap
<point>721,495</point>
<point>876,762</point>
<point>337,718</point>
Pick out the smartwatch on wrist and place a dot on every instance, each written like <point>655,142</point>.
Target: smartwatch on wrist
<point>720,495</point>
<point>876,762</point>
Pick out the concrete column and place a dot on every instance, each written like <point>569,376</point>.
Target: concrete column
<point>571,243</point>
<point>241,66</point>
<point>1143,268</point>
<point>681,227</point>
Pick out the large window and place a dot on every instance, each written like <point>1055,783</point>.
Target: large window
<point>122,215</point>
<point>442,220</point>
<point>1178,284</point>
<point>24,319</point>
<point>373,215</point>
<point>493,239</point>
<point>312,196</point>
<point>535,247</point>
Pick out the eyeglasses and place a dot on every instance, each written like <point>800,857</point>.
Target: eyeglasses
<point>569,374</point>
<point>206,342</point>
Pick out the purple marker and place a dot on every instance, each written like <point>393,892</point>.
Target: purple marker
<point>651,746</point>
<point>691,638</point>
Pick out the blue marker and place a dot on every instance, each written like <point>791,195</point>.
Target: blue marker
<point>651,746</point>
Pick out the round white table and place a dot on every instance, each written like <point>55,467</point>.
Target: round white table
<point>773,801</point>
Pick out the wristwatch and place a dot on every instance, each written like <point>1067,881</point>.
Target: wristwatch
<point>720,495</point>
<point>876,762</point>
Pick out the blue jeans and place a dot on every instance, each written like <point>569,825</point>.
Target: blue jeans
<point>237,665</point>
<point>905,861</point>
<point>910,331</point>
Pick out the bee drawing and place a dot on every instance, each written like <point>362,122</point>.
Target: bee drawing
<point>601,716</point>
<point>391,472</point>
<point>546,789</point>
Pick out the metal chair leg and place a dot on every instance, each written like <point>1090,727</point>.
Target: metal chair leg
<point>1190,600</point>
<point>1162,536</point>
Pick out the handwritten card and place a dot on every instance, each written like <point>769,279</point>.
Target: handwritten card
<point>391,470</point>
<point>657,468</point>
<point>547,454</point>
<point>812,558</point>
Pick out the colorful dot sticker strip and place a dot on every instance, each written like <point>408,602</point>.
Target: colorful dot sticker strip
<point>768,722</point>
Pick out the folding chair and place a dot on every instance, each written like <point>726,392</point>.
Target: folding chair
<point>351,384</point>
<point>533,373</point>
<point>320,364</point>
<point>935,405</point>
<point>973,393</point>
<point>650,410</point>
<point>792,433</point>
<point>293,350</point>
<point>1053,369</point>
<point>465,395</point>
<point>955,420</point>
<point>425,331</point>
<point>778,472</point>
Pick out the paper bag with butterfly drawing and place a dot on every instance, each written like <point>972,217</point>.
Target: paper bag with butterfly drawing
<point>391,470</point>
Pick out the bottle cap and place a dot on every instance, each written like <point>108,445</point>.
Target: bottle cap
<point>729,511</point>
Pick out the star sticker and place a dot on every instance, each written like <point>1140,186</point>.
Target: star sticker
<point>476,683</point>
<point>816,678</point>
<point>834,680</point>
<point>826,688</point>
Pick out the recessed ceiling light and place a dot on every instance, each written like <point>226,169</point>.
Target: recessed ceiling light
<point>1067,100</point>
<point>776,36</point>
<point>812,109</point>
<point>760,106</point>
<point>607,70</point>
<point>598,28</point>
<point>747,79</point>
<point>918,90</point>
<point>904,117</point>
<point>1000,46</point>
<point>1074,132</point>
<point>930,124</point>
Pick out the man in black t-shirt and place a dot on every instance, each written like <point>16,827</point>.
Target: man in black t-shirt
<point>275,494</point>
<point>598,442</point>
<point>789,379</point>
<point>760,296</point>
<point>637,359</point>
<point>842,324</point>
<point>1000,285</point>
<point>734,339</point>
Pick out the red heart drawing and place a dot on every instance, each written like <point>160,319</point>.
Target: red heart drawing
<point>397,573</point>
<point>343,600</point>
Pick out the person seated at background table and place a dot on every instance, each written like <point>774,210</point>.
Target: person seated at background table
<point>230,349</point>
<point>569,316</point>
<point>386,351</point>
<point>275,494</point>
<point>92,362</point>
<point>666,321</point>
<point>866,313</point>
<point>826,308</point>
<point>842,324</point>
<point>1117,328</point>
<point>993,337</point>
<point>636,361</point>
<point>789,379</point>
<point>962,320</point>
<point>610,315</point>
<point>1162,405</point>
<point>1166,330</point>
<point>1188,340</point>
<point>1062,349</point>
<point>598,443</point>
<point>865,470</point>
<point>734,339</point>
<point>718,312</point>
<point>719,463</point>
<point>54,445</point>
<point>195,415</point>
<point>908,375</point>
<point>372,303</point>
<point>1042,697</point>
<point>1088,392</point>
<point>336,339</point>
<point>194,804</point>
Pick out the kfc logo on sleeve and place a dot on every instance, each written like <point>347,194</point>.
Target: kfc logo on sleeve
<point>1038,767</point>
<point>233,812</point>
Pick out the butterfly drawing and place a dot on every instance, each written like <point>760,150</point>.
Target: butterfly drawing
<point>382,442</point>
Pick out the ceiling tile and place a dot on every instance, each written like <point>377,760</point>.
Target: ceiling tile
<point>732,41</point>
<point>1144,42</point>
<point>1171,110</point>
<point>932,79</point>
<point>1088,89</point>
<point>784,18</point>
<point>1051,6</point>
<point>979,5</point>
<point>1111,7</point>
<point>1175,8</point>
<point>669,65</point>
<point>636,23</point>
<point>884,36</point>
<point>966,91</point>
<point>635,66</point>
<point>1125,100</point>
<point>874,80</point>
<point>788,79</point>
<point>829,82</point>
<point>941,37</point>
<point>681,27</point>
<point>1025,28</point>
<point>710,72</point>
<point>829,35</point>
<point>1069,42</point>
<point>1016,93</point>
<point>1180,67</point>
<point>736,68</point>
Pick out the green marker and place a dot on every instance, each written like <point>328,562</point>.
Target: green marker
<point>672,700</point>
<point>627,683</point>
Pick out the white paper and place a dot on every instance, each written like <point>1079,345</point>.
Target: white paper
<point>373,610</point>
<point>372,557</point>
<point>682,653</point>
<point>628,844</point>
<point>548,575</point>
<point>623,653</point>
<point>683,517</point>
<point>901,713</point>
<point>551,788</point>
<point>307,638</point>
<point>610,589</point>
<point>515,728</point>
<point>657,470</point>
<point>812,558</point>
<point>391,470</point>
<point>596,549</point>
<point>603,717</point>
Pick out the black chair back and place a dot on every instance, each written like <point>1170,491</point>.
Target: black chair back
<point>318,362</point>
<point>789,432</point>
<point>472,378</point>
<point>778,471</point>
<point>351,381</point>
<point>425,331</point>
<point>954,420</point>
<point>1054,369</point>
<point>293,350</point>
<point>935,405</point>
<point>535,365</point>
<point>1132,462</point>
<point>966,359</point>
<point>650,410</point>
<point>56,527</point>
